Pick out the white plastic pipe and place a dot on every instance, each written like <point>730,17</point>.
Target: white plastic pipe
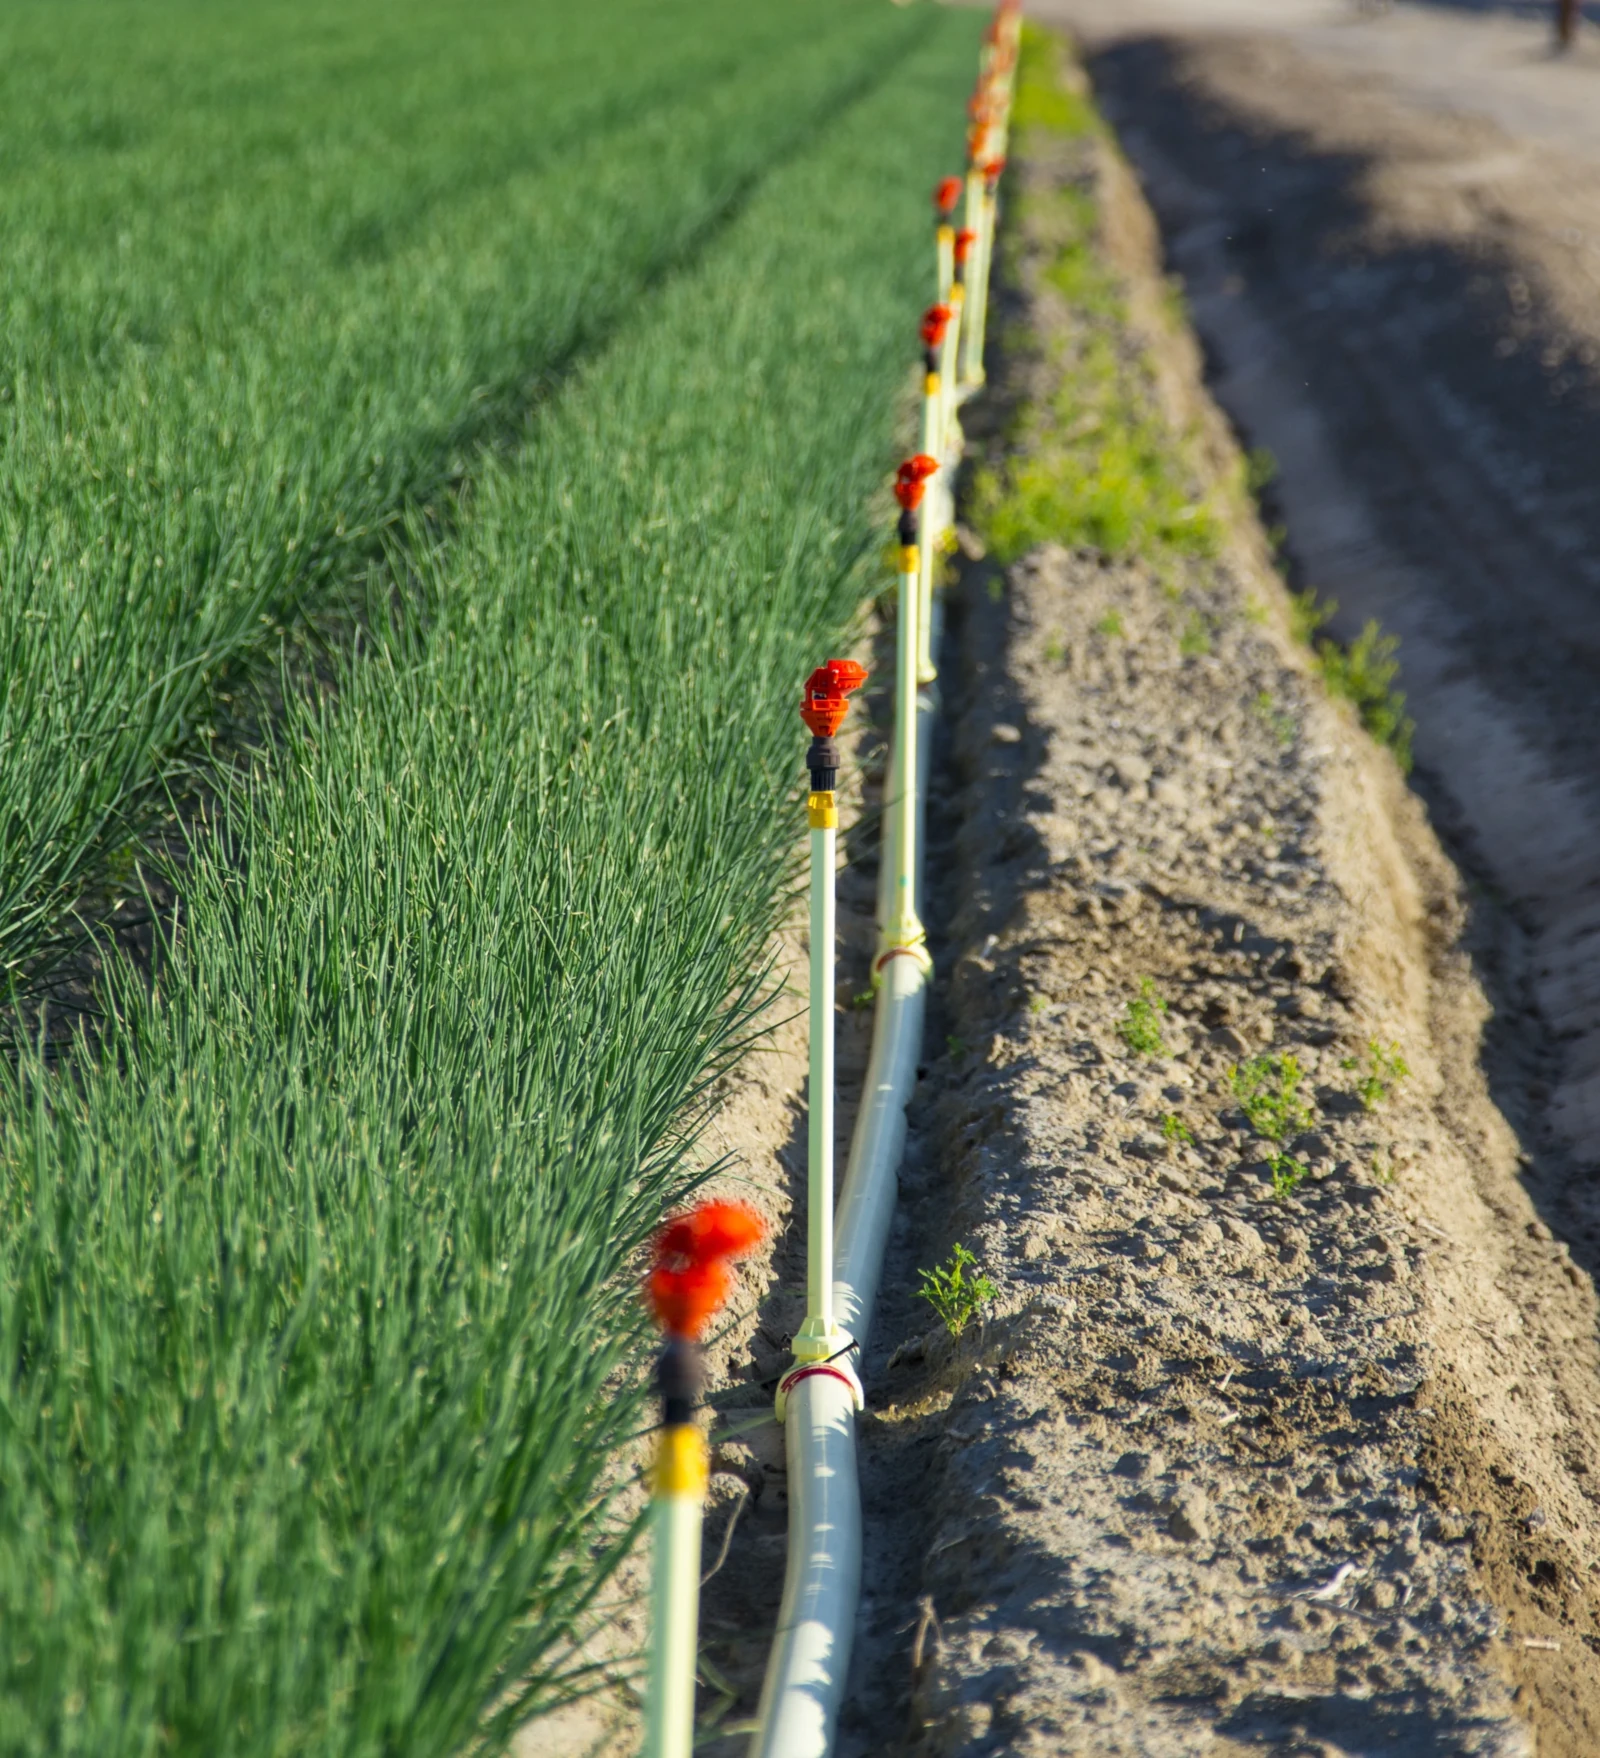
<point>984,251</point>
<point>949,432</point>
<point>818,1337</point>
<point>971,356</point>
<point>928,526</point>
<point>903,925</point>
<point>675,1520</point>
<point>810,1657</point>
<point>819,1124</point>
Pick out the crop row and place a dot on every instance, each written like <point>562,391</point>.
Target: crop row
<point>314,1301</point>
<point>271,277</point>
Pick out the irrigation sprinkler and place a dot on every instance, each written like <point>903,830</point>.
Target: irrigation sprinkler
<point>945,197</point>
<point>903,934</point>
<point>823,708</point>
<point>935,324</point>
<point>688,1282</point>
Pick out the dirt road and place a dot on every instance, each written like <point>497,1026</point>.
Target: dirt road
<point>1388,230</point>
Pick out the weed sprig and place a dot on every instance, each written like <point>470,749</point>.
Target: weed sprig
<point>1288,1174</point>
<point>1140,1026</point>
<point>1385,1069</point>
<point>1363,673</point>
<point>954,1293</point>
<point>1268,1091</point>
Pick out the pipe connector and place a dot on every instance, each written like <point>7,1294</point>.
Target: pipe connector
<point>822,765</point>
<point>678,1380</point>
<point>905,939</point>
<point>833,1358</point>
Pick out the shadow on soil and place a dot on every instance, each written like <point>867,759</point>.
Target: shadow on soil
<point>1464,413</point>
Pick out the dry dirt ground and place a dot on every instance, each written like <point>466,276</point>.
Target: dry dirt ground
<point>1388,233</point>
<point>1226,1469</point>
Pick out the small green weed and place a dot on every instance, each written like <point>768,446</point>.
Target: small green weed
<point>1176,1130</point>
<point>1287,1175</point>
<point>1043,99</point>
<point>1140,1026</point>
<point>1260,469</point>
<point>1363,673</point>
<point>1255,612</point>
<point>1196,637</point>
<point>1383,1170</point>
<point>953,1292</point>
<point>1307,614</point>
<point>1283,727</point>
<point>955,1048</point>
<point>1110,624</point>
<point>1038,1004</point>
<point>1268,1091</point>
<point>1055,650</point>
<point>1094,461</point>
<point>1385,1069</point>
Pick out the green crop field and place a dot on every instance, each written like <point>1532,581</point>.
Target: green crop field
<point>271,274</point>
<point>529,376</point>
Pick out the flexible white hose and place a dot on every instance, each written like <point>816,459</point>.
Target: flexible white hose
<point>810,1657</point>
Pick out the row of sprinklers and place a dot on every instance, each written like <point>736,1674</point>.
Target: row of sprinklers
<point>689,1277</point>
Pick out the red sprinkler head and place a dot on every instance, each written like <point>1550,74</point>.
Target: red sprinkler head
<point>935,320</point>
<point>689,1277</point>
<point>947,195</point>
<point>911,478</point>
<point>824,704</point>
<point>965,240</point>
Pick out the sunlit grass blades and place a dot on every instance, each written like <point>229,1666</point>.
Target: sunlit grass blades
<point>316,1282</point>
